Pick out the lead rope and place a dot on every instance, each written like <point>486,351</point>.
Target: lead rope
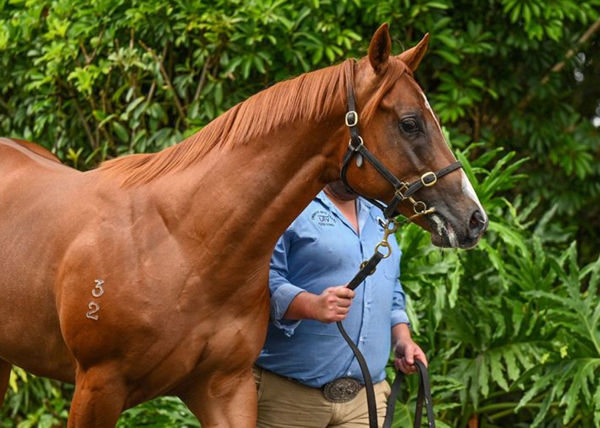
<point>366,269</point>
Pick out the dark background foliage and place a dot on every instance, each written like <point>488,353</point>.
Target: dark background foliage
<point>512,327</point>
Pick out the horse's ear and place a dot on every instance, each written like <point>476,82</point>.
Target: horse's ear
<point>380,49</point>
<point>412,57</point>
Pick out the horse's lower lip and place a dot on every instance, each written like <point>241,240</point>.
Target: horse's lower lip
<point>444,242</point>
<point>451,235</point>
<point>444,235</point>
<point>439,241</point>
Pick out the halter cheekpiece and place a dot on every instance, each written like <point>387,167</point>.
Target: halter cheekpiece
<point>356,147</point>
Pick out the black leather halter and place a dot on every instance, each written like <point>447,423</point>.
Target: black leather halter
<point>356,147</point>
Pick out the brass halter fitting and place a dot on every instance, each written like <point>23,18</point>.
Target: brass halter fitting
<point>389,227</point>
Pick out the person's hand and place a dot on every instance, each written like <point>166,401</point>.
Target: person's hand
<point>333,304</point>
<point>406,351</point>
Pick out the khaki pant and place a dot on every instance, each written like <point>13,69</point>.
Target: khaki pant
<point>284,403</point>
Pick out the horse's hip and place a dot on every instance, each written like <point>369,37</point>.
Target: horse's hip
<point>30,335</point>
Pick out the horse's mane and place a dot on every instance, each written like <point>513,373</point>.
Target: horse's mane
<point>309,96</point>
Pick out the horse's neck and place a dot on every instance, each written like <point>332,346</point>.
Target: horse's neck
<point>251,193</point>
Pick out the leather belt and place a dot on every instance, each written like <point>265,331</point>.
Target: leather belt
<point>341,390</point>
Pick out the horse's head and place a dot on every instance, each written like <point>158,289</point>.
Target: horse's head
<point>403,138</point>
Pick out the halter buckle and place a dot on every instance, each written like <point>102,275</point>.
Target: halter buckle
<point>429,179</point>
<point>358,146</point>
<point>351,118</point>
<point>399,192</point>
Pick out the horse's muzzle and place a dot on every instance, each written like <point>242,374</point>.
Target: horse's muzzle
<point>478,224</point>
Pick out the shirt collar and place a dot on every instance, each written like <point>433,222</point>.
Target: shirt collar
<point>363,209</point>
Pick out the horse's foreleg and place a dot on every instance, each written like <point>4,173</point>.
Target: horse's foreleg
<point>225,401</point>
<point>98,400</point>
<point>4,377</point>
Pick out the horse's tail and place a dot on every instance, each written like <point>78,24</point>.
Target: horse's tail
<point>4,377</point>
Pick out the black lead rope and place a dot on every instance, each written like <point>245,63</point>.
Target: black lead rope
<point>371,403</point>
<point>424,394</point>
<point>365,271</point>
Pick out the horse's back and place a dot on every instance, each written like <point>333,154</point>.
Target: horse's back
<point>30,177</point>
<point>15,151</point>
<point>35,188</point>
<point>30,145</point>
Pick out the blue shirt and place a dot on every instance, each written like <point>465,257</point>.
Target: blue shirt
<point>321,249</point>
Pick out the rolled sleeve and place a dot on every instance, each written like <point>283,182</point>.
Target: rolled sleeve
<point>399,315</point>
<point>282,291</point>
<point>280,301</point>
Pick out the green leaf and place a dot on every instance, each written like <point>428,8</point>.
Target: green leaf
<point>120,131</point>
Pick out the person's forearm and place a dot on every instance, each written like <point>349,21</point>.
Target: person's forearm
<point>400,333</point>
<point>331,305</point>
<point>301,307</point>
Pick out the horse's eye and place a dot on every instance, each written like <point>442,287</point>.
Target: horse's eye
<point>410,125</point>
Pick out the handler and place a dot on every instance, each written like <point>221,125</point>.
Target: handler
<point>306,374</point>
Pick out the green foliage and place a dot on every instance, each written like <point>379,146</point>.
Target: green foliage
<point>34,402</point>
<point>159,413</point>
<point>571,377</point>
<point>114,77</point>
<point>511,326</point>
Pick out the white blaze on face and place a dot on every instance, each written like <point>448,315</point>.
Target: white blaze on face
<point>433,115</point>
<point>468,190</point>
<point>467,187</point>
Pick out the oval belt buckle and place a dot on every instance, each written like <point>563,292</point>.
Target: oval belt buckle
<point>341,390</point>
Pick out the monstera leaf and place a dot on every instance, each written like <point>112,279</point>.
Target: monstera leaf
<point>570,379</point>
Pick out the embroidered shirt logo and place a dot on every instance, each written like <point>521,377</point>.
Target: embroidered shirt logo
<point>323,218</point>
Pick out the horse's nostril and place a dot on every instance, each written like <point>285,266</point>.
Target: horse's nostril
<point>477,223</point>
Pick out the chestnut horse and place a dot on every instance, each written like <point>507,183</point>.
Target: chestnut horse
<point>148,275</point>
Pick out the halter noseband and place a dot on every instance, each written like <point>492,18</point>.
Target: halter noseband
<point>402,189</point>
